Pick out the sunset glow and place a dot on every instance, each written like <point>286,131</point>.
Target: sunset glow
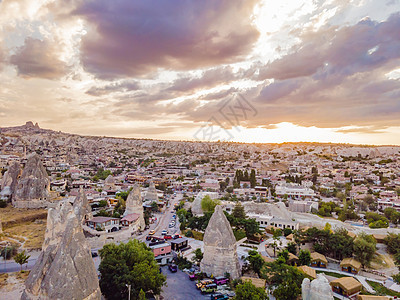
<point>314,71</point>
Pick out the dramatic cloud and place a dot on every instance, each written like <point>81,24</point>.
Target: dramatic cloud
<point>2,57</point>
<point>124,86</point>
<point>38,58</point>
<point>336,77</point>
<point>132,37</point>
<point>131,65</point>
<point>365,46</point>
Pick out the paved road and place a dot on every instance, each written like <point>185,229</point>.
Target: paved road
<point>166,217</point>
<point>11,266</point>
<point>180,287</point>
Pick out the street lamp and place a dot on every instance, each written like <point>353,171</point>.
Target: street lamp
<point>129,291</point>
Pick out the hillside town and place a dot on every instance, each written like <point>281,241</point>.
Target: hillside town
<point>217,217</point>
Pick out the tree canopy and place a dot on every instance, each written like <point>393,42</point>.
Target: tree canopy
<point>247,290</point>
<point>364,248</point>
<point>337,245</point>
<point>304,258</point>
<point>286,280</point>
<point>21,258</point>
<point>208,204</point>
<point>130,263</point>
<point>238,211</point>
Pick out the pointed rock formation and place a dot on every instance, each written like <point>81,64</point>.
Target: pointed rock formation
<point>82,208</point>
<point>33,189</point>
<point>318,289</point>
<point>134,205</point>
<point>64,269</point>
<point>109,183</point>
<point>151,194</point>
<point>10,180</point>
<point>220,254</point>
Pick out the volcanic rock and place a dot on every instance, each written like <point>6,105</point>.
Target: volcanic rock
<point>10,180</point>
<point>82,208</point>
<point>109,183</point>
<point>151,194</point>
<point>34,184</point>
<point>220,254</point>
<point>134,205</point>
<point>318,289</point>
<point>64,269</point>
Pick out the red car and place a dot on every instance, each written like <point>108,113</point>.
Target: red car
<point>167,237</point>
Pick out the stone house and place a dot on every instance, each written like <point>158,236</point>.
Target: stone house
<point>104,224</point>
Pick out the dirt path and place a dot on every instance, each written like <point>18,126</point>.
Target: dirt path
<point>14,287</point>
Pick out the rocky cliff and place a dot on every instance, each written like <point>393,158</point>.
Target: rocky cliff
<point>220,254</point>
<point>33,188</point>
<point>64,269</point>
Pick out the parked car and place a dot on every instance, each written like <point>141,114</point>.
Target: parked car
<point>167,237</point>
<point>176,236</point>
<point>164,232</point>
<point>204,282</point>
<point>152,232</point>
<point>148,238</point>
<point>174,216</point>
<point>219,297</point>
<point>209,288</point>
<point>173,268</point>
<point>171,225</point>
<point>220,280</point>
<point>156,238</point>
<point>94,254</point>
<point>194,275</point>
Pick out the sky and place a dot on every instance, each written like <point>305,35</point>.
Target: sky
<point>238,70</point>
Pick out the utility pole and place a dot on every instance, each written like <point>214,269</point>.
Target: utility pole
<point>129,291</point>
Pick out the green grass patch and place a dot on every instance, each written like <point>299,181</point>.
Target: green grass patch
<point>333,274</point>
<point>381,290</point>
<point>239,234</point>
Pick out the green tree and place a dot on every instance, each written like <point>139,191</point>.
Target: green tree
<point>256,261</point>
<point>392,242</point>
<point>277,233</point>
<point>292,248</point>
<point>21,258</point>
<point>131,263</point>
<point>103,203</point>
<point>123,195</point>
<point>103,213</point>
<point>154,206</point>
<point>142,295</point>
<point>287,231</point>
<point>238,211</point>
<point>251,227</point>
<point>208,204</point>
<point>392,214</point>
<point>284,254</point>
<point>120,206</point>
<point>304,258</point>
<point>198,255</point>
<point>284,279</point>
<point>253,180</point>
<point>364,248</point>
<point>247,290</point>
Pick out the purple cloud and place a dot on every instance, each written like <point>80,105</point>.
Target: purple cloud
<point>135,38</point>
<point>38,58</point>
